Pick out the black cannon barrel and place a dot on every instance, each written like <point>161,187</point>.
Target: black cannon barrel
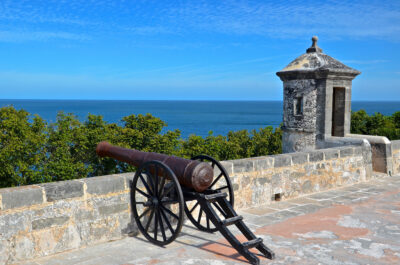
<point>190,173</point>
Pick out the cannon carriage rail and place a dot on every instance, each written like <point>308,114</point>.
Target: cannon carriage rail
<point>164,187</point>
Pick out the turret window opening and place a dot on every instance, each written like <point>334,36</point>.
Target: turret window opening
<point>298,106</point>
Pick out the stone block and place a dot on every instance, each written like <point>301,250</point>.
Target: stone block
<point>105,184</point>
<point>49,222</point>
<point>63,190</point>
<point>262,181</point>
<point>228,167</point>
<point>21,196</point>
<point>282,161</point>
<point>299,158</point>
<point>243,165</point>
<point>347,151</point>
<point>316,156</point>
<point>396,145</point>
<point>113,209</point>
<point>358,151</point>
<point>12,224</point>
<point>331,154</point>
<point>263,163</point>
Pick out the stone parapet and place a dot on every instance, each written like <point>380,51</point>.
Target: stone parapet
<point>39,220</point>
<point>260,180</point>
<point>396,156</point>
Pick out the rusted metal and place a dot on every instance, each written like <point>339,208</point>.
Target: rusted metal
<point>190,173</point>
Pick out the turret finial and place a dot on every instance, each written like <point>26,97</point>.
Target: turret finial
<point>314,47</point>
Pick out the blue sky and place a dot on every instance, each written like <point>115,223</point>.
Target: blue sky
<point>166,49</point>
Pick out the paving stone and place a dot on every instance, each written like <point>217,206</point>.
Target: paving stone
<point>301,201</point>
<point>282,205</point>
<point>262,210</point>
<point>307,208</point>
<point>284,214</point>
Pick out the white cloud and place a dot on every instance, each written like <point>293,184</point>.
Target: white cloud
<point>20,36</point>
<point>277,19</point>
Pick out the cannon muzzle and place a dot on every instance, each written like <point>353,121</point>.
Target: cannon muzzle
<point>190,173</point>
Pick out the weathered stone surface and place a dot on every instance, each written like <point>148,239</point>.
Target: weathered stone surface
<point>21,196</point>
<point>112,209</point>
<point>316,156</point>
<point>49,222</point>
<point>396,145</point>
<point>263,163</point>
<point>299,158</point>
<point>346,151</point>
<point>282,160</point>
<point>228,166</point>
<point>243,165</point>
<point>63,190</point>
<point>331,154</point>
<point>262,181</point>
<point>11,224</point>
<point>105,184</point>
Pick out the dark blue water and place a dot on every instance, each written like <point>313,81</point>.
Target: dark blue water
<point>191,117</point>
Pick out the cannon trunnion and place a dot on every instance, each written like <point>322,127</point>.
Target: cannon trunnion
<point>164,187</point>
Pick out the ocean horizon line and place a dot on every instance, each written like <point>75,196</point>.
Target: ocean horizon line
<point>186,100</point>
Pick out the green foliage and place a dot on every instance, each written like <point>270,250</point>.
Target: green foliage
<point>377,124</point>
<point>32,151</point>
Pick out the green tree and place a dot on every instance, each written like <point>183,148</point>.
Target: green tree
<point>22,148</point>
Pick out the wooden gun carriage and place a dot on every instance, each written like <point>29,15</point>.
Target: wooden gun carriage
<point>166,186</point>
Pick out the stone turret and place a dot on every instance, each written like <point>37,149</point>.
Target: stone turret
<point>316,99</point>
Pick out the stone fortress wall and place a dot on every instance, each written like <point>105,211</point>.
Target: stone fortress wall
<point>39,220</point>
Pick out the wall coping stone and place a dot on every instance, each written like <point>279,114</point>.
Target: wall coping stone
<point>21,196</point>
<point>63,189</point>
<point>396,144</point>
<point>105,184</point>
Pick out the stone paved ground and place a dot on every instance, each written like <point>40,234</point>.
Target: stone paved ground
<point>359,224</point>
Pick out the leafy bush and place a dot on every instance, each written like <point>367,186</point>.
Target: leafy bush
<point>376,124</point>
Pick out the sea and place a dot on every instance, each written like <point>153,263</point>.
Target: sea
<point>190,117</point>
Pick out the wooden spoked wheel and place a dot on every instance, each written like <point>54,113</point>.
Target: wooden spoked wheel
<point>157,202</point>
<point>221,182</point>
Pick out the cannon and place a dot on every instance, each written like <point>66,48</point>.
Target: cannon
<point>164,187</point>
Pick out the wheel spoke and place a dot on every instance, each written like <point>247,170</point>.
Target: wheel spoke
<point>149,176</point>
<point>208,223</point>
<point>145,184</point>
<point>213,164</point>
<point>156,225</point>
<point>162,226</point>
<point>156,181</point>
<point>199,217</point>
<point>144,212</point>
<point>221,188</point>
<point>197,203</point>
<point>167,191</point>
<point>161,185</point>
<point>167,221</point>
<point>149,221</point>
<point>169,211</point>
<point>140,203</point>
<point>215,180</point>
<point>143,193</point>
